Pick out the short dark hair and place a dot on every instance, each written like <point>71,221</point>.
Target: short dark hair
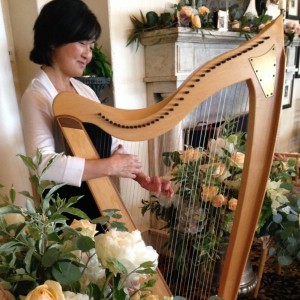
<point>61,22</point>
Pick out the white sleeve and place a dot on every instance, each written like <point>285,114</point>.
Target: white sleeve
<point>39,132</point>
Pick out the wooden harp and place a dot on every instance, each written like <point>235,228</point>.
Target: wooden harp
<point>259,63</point>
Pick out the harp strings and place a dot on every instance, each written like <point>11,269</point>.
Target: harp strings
<point>196,274</point>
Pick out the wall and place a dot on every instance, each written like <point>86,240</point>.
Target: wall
<point>128,89</point>
<point>12,170</point>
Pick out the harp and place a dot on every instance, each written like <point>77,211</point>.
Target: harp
<point>257,66</point>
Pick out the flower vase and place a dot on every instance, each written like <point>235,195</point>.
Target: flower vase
<point>191,219</point>
<point>248,280</point>
<point>251,9</point>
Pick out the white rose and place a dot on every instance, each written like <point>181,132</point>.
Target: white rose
<point>128,248</point>
<point>50,290</point>
<point>87,228</point>
<point>72,296</point>
<point>216,146</point>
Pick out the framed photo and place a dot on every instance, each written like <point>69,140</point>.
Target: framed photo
<point>297,62</point>
<point>293,10</point>
<point>287,93</point>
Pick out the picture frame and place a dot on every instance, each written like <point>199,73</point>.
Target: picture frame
<point>293,10</point>
<point>287,95</point>
<point>297,62</point>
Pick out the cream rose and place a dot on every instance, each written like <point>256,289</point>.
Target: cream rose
<point>72,296</point>
<point>50,290</point>
<point>128,248</point>
<point>87,228</point>
<point>232,204</point>
<point>208,192</point>
<point>6,295</point>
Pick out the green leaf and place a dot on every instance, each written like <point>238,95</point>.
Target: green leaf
<point>12,194</point>
<point>66,272</point>
<point>285,260</point>
<point>119,266</point>
<point>152,19</point>
<point>30,206</point>
<point>50,257</point>
<point>9,210</point>
<point>85,243</point>
<point>28,161</point>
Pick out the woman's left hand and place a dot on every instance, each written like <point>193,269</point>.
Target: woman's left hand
<point>155,184</point>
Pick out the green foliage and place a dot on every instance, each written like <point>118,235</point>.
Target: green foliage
<point>99,65</point>
<point>152,21</point>
<point>40,244</point>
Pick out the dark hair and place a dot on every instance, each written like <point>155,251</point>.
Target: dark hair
<point>61,22</point>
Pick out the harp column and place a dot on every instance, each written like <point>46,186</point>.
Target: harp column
<point>170,56</point>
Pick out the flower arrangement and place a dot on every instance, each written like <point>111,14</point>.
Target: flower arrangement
<point>291,31</point>
<point>206,184</point>
<point>181,15</point>
<point>44,257</point>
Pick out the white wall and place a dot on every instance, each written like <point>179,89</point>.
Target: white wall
<point>12,170</point>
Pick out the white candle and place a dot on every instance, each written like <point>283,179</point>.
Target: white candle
<point>282,4</point>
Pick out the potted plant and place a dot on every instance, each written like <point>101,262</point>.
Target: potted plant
<point>98,72</point>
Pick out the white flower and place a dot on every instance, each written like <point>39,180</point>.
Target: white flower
<point>216,146</point>
<point>94,272</point>
<point>127,248</point>
<point>277,195</point>
<point>72,296</point>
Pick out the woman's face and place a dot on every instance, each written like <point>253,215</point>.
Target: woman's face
<point>71,59</point>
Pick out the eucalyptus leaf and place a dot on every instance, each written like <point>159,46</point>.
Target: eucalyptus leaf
<point>285,260</point>
<point>293,218</point>
<point>66,272</point>
<point>50,257</point>
<point>85,243</point>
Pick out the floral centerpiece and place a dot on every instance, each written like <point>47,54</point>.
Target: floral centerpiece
<point>206,183</point>
<point>182,15</point>
<point>44,255</point>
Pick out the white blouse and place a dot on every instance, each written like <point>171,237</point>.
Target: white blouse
<point>41,131</point>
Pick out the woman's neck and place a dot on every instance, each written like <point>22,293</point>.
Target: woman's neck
<point>60,82</point>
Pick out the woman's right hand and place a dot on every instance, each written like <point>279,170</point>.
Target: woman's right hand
<point>123,164</point>
<point>119,164</point>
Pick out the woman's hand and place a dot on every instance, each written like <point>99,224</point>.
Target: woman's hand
<point>155,184</point>
<point>118,164</point>
<point>123,164</point>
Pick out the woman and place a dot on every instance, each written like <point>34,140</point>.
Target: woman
<point>64,35</point>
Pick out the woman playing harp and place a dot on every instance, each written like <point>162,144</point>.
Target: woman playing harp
<point>64,35</point>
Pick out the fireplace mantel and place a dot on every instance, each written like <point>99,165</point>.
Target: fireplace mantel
<point>172,54</point>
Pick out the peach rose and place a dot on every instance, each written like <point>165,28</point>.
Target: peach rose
<point>208,192</point>
<point>190,154</point>
<point>196,22</point>
<point>219,200</point>
<point>185,16</point>
<point>50,290</point>
<point>238,158</point>
<point>5,294</point>
<point>203,10</point>
<point>87,228</point>
<point>232,204</point>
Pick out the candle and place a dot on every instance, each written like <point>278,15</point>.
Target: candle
<point>282,4</point>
